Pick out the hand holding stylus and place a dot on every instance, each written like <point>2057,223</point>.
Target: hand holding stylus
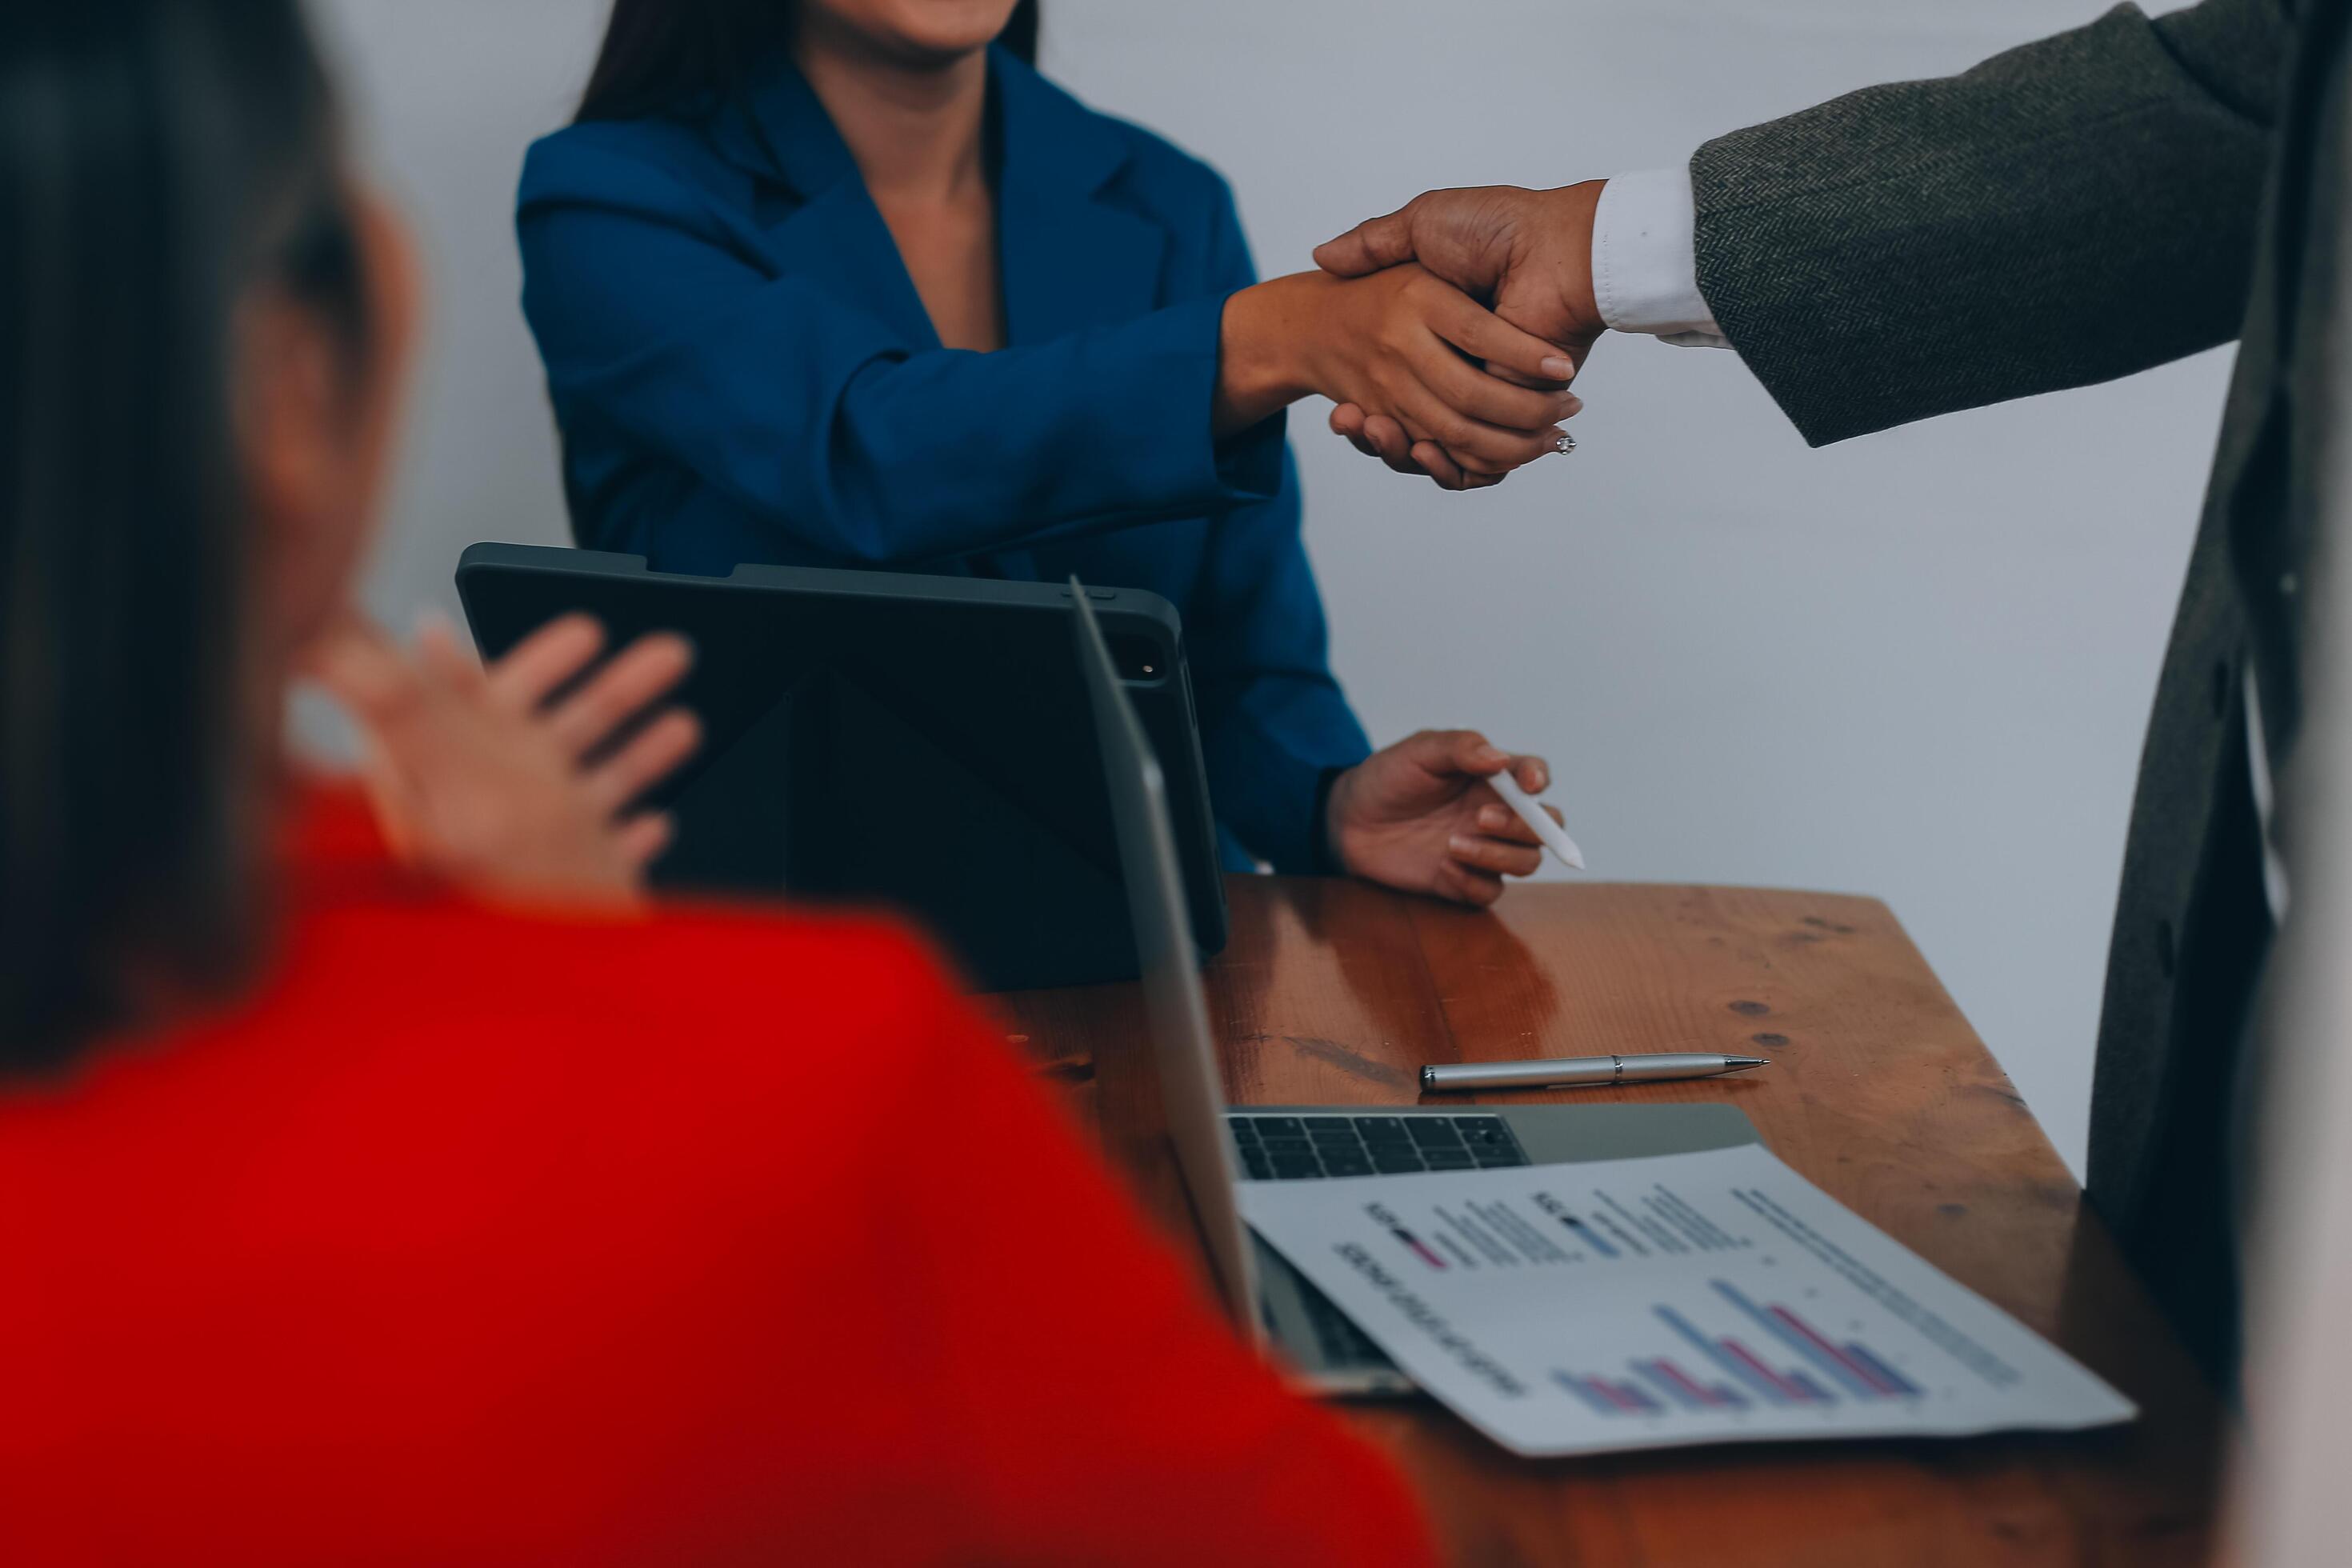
<point>1426,815</point>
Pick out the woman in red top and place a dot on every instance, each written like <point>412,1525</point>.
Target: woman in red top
<point>350,1218</point>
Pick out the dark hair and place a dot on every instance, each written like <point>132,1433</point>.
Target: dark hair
<point>661,54</point>
<point>158,160</point>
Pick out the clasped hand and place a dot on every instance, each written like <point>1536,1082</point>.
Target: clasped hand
<point>1526,254</point>
<point>1403,343</point>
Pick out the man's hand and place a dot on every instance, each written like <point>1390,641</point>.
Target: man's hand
<point>1421,817</point>
<point>1527,254</point>
<point>1404,343</point>
<point>518,782</point>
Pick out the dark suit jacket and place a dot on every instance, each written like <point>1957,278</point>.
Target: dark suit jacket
<point>742,371</point>
<point>2086,206</point>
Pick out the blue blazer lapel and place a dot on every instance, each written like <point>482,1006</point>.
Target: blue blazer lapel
<point>836,236</point>
<point>1069,261</point>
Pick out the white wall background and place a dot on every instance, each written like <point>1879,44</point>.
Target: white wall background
<point>1915,665</point>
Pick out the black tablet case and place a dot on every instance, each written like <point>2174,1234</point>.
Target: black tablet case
<point>880,738</point>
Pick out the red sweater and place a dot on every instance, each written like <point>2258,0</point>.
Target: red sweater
<point>713,1236</point>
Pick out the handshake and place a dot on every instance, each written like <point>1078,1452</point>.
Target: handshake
<point>1446,332</point>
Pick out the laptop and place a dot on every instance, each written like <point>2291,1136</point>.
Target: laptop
<point>1174,1094</point>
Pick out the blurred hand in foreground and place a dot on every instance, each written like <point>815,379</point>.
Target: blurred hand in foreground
<point>517,780</point>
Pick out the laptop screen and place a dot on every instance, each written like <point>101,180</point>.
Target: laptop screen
<point>1173,1103</point>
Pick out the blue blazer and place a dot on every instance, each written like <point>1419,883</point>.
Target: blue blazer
<point>742,371</point>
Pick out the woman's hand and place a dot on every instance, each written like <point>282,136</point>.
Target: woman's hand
<point>1401,344</point>
<point>516,781</point>
<point>1378,436</point>
<point>1421,817</point>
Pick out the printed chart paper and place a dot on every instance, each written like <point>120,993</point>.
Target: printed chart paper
<point>1704,1298</point>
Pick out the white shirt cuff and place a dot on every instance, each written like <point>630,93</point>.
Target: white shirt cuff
<point>1646,260</point>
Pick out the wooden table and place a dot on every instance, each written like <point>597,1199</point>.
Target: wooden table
<point>1334,993</point>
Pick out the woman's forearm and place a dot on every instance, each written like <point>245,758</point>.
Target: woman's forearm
<point>1261,350</point>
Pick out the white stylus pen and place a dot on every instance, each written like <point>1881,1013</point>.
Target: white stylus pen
<point>1554,837</point>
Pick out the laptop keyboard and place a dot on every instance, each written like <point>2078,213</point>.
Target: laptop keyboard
<point>1298,1148</point>
<point>1336,1335</point>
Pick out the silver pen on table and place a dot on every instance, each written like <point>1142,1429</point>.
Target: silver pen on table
<point>1573,1072</point>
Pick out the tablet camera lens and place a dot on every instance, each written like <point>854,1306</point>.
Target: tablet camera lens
<point>1138,658</point>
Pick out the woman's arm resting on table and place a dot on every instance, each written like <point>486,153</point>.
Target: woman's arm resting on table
<point>1275,726</point>
<point>1273,722</point>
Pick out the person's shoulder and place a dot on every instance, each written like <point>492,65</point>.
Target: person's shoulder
<point>652,157</point>
<point>725,943</point>
<point>718,985</point>
<point>768,1009</point>
<point>1161,164</point>
<point>729,959</point>
<point>1142,164</point>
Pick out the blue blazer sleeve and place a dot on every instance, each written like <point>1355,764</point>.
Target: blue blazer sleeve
<point>655,315</point>
<point>1273,719</point>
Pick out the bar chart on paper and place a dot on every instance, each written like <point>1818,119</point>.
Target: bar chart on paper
<point>1687,1298</point>
<point>1815,1371</point>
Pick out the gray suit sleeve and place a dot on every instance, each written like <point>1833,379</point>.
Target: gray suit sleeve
<point>2064,212</point>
